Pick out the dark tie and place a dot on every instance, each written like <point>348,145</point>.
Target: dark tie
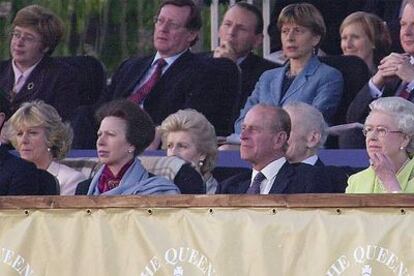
<point>254,189</point>
<point>139,95</point>
<point>405,94</point>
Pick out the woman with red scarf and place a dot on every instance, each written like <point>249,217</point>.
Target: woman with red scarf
<point>125,131</point>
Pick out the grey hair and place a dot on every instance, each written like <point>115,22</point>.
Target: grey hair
<point>195,123</point>
<point>311,118</point>
<point>403,112</point>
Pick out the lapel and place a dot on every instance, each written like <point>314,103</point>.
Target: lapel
<point>283,179</point>
<point>319,163</point>
<point>300,81</point>
<point>138,72</point>
<point>34,81</point>
<point>177,67</point>
<point>243,186</point>
<point>276,85</point>
<point>7,77</point>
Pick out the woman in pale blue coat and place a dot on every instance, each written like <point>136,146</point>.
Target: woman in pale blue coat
<point>303,78</point>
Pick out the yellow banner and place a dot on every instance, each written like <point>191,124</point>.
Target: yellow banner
<point>203,241</point>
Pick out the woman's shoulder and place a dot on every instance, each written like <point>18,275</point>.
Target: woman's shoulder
<point>360,180</point>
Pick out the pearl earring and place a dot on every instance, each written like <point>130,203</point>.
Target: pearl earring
<point>130,151</point>
<point>402,148</point>
<point>200,163</point>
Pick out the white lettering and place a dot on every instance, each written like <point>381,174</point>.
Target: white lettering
<point>153,266</point>
<point>193,257</point>
<point>359,255</point>
<point>392,261</point>
<point>171,256</point>
<point>382,255</point>
<point>202,264</point>
<point>339,266</point>
<point>371,252</point>
<point>401,270</point>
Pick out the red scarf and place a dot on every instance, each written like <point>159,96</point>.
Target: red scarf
<point>107,181</point>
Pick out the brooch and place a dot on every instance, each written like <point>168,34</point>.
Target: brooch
<point>30,86</point>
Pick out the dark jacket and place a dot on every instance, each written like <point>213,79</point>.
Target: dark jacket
<point>52,81</point>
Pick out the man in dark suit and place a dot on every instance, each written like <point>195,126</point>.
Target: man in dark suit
<point>264,136</point>
<point>395,75</point>
<point>240,32</point>
<point>184,80</point>
<point>308,135</point>
<point>17,176</point>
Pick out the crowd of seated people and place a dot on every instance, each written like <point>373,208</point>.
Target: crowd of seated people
<point>279,111</point>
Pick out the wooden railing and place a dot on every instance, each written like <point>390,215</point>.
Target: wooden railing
<point>201,201</point>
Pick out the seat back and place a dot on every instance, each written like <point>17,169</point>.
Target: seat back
<point>355,73</point>
<point>91,76</point>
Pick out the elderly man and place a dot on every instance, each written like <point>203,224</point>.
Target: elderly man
<point>395,75</point>
<point>174,78</point>
<point>308,134</point>
<point>264,136</point>
<point>240,32</point>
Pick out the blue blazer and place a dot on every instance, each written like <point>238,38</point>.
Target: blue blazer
<point>318,84</point>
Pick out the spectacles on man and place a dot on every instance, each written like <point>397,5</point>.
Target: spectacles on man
<point>168,23</point>
<point>26,38</point>
<point>379,130</point>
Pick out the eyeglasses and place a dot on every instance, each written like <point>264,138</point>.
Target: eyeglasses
<point>26,38</point>
<point>380,131</point>
<point>169,24</point>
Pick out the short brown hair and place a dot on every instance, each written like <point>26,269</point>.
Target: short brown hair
<point>140,129</point>
<point>194,21</point>
<point>43,21</point>
<point>305,15</point>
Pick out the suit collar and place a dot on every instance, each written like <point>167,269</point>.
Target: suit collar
<point>300,80</point>
<point>282,179</point>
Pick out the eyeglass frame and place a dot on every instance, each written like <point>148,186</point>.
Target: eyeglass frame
<point>170,25</point>
<point>380,130</point>
<point>28,39</point>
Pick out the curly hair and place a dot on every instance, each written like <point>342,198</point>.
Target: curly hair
<point>59,135</point>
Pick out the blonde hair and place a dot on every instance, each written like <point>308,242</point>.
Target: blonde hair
<point>375,29</point>
<point>195,123</point>
<point>59,135</point>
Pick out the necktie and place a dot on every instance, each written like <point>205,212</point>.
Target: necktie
<point>405,93</point>
<point>139,95</point>
<point>255,187</point>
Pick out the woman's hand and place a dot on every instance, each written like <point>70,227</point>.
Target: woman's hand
<point>386,171</point>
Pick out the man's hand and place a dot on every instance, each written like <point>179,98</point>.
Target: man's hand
<point>225,50</point>
<point>394,66</point>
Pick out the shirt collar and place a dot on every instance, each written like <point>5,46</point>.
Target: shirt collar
<point>311,160</point>
<point>271,170</point>
<point>169,60</point>
<point>26,74</point>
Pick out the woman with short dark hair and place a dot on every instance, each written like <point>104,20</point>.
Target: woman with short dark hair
<point>125,131</point>
<point>31,73</point>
